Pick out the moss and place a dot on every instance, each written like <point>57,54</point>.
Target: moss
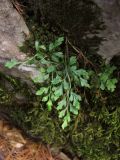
<point>93,136</point>
<point>39,124</point>
<point>96,136</point>
<point>10,87</point>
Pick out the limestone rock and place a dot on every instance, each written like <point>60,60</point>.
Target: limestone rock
<point>111,17</point>
<point>13,32</point>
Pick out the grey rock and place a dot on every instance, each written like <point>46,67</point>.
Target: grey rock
<point>13,32</point>
<point>11,23</point>
<point>111,16</point>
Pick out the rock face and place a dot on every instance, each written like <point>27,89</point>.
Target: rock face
<point>111,17</point>
<point>12,34</point>
<point>12,30</point>
<point>82,21</point>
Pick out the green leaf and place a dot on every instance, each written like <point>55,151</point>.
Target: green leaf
<point>62,113</point>
<point>58,94</point>
<point>58,54</point>
<point>84,83</point>
<point>83,73</point>
<point>66,120</point>
<point>38,79</point>
<point>109,69</point>
<point>76,79</point>
<point>51,69</point>
<point>56,80</point>
<point>42,70</point>
<point>56,44</point>
<point>39,56</point>
<point>55,58</point>
<point>46,90</point>
<point>65,124</point>
<point>73,60</point>
<point>104,77</point>
<point>107,73</point>
<point>45,99</point>
<point>76,104</point>
<point>37,45</point>
<point>45,77</point>
<point>59,41</point>
<point>49,105</point>
<point>67,117</point>
<point>59,107</point>
<point>73,110</point>
<point>102,86</point>
<point>10,64</point>
<point>51,47</point>
<point>111,84</point>
<point>71,97</point>
<point>73,68</point>
<point>66,85</point>
<point>44,61</point>
<point>54,88</point>
<point>43,47</point>
<point>59,91</point>
<point>76,96</point>
<point>61,104</point>
<point>41,91</point>
<point>55,97</point>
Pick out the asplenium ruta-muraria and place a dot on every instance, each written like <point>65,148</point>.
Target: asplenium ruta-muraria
<point>61,79</point>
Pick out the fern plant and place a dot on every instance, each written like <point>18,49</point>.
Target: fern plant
<point>63,79</point>
<point>106,80</point>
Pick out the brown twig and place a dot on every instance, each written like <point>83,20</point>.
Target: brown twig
<point>80,54</point>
